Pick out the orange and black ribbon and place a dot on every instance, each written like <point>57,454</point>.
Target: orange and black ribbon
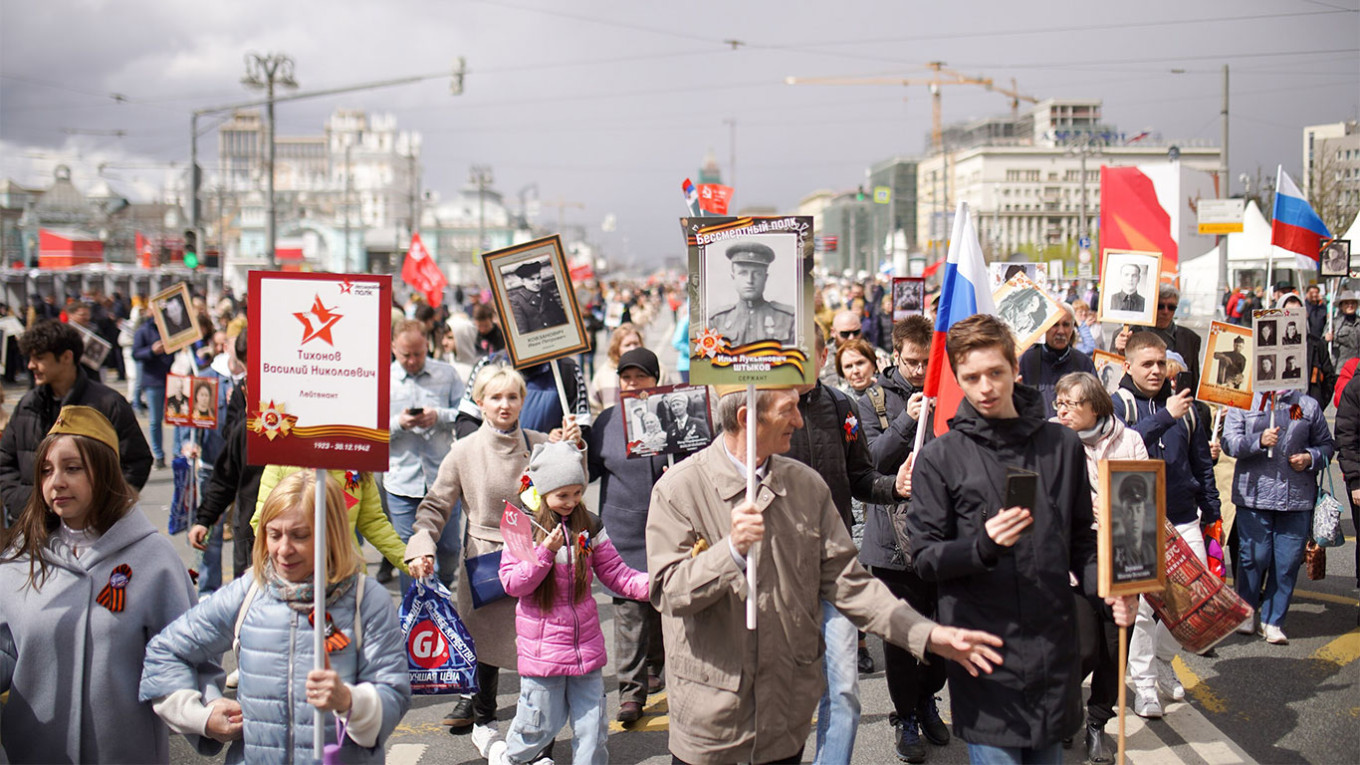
<point>335,639</point>
<point>112,596</point>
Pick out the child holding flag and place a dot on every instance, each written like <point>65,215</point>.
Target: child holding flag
<point>559,640</point>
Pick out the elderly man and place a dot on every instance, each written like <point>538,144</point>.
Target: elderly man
<point>1182,340</point>
<point>727,682</point>
<point>1045,363</point>
<point>753,317</point>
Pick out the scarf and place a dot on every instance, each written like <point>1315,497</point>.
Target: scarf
<point>299,595</point>
<point>1097,432</point>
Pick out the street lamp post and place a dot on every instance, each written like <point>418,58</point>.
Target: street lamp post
<point>480,176</point>
<point>264,72</point>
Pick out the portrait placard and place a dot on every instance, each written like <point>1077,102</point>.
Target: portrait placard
<point>178,393</point>
<point>10,327</point>
<point>908,296</point>
<point>1128,287</point>
<point>95,350</point>
<point>671,419</point>
<point>1002,272</point>
<point>1335,258</point>
<point>1026,309</point>
<point>1281,361</point>
<point>531,285</point>
<point>1109,368</point>
<point>1228,366</point>
<point>1131,536</point>
<point>172,309</point>
<point>751,303</point>
<point>319,383</point>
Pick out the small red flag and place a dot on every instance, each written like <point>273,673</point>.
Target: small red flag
<point>421,272</point>
<point>713,198</point>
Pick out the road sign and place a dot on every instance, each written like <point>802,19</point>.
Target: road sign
<point>1220,216</point>
<point>1084,243</point>
<point>882,195</point>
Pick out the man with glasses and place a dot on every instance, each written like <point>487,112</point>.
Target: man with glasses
<point>1182,340</point>
<point>845,326</point>
<point>1045,363</point>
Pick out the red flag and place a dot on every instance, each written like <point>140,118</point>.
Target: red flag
<point>144,256</point>
<point>421,272</point>
<point>1131,217</point>
<point>519,538</point>
<point>713,198</point>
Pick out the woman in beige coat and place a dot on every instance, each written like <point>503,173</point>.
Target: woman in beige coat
<point>482,471</point>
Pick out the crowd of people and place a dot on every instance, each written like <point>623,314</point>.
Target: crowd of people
<point>856,527</point>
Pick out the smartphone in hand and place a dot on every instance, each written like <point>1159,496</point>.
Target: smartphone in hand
<point>1022,490</point>
<point>416,411</point>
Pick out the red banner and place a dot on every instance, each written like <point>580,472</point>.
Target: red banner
<point>1131,218</point>
<point>713,198</point>
<point>421,272</point>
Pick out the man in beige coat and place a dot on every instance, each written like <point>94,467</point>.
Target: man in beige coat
<point>748,696</point>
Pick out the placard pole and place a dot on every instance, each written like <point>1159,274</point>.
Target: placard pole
<point>1331,306</point>
<point>319,580</point>
<point>1218,417</point>
<point>1123,691</point>
<point>926,405</point>
<point>1270,453</point>
<point>751,554</point>
<point>561,387</point>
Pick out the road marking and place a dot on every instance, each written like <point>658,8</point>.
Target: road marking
<point>1328,597</point>
<point>1198,688</point>
<point>1341,651</point>
<point>418,729</point>
<point>655,717</point>
<point>1144,742</point>
<point>405,754</point>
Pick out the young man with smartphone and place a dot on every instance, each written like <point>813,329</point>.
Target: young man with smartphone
<point>1003,566</point>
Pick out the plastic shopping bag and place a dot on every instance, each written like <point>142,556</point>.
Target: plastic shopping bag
<point>184,502</point>
<point>440,656</point>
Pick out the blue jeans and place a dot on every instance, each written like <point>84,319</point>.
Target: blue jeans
<point>838,711</point>
<point>401,511</point>
<point>155,400</point>
<point>1272,545</point>
<point>210,570</point>
<point>546,704</point>
<point>981,754</point>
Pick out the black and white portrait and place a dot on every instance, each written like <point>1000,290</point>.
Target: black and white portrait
<point>1230,364</point>
<point>1026,309</point>
<point>750,284</point>
<point>534,297</point>
<point>177,318</point>
<point>1265,368</point>
<point>172,311</point>
<point>1002,272</point>
<point>1292,370</point>
<point>178,395</point>
<point>1133,525</point>
<point>96,348</point>
<point>1292,335</point>
<point>1265,333</point>
<point>908,297</point>
<point>671,419</point>
<point>1335,258</point>
<point>1128,289</point>
<point>1109,368</point>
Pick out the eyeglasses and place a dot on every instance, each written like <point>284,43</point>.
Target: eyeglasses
<point>912,363</point>
<point>1168,306</point>
<point>1060,404</point>
<point>848,335</point>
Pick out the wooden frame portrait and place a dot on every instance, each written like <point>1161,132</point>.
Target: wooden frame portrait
<point>654,421</point>
<point>1229,365</point>
<point>1281,353</point>
<point>1127,297</point>
<point>173,311</point>
<point>96,349</point>
<point>1334,258</point>
<point>1130,532</point>
<point>532,287</point>
<point>750,300</point>
<point>908,296</point>
<point>1001,273</point>
<point>1109,369</point>
<point>1027,309</point>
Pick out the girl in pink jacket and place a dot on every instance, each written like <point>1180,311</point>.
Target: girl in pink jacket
<point>558,637</point>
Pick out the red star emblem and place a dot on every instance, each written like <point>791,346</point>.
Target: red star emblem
<point>345,287</point>
<point>325,320</point>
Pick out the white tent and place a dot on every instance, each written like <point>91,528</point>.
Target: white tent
<point>1249,254</point>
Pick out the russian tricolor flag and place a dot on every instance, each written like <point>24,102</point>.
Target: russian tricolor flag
<point>965,291</point>
<point>1296,227</point>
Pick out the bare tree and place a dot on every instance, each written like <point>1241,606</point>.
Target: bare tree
<point>1329,188</point>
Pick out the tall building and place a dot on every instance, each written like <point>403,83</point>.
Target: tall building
<point>1030,181</point>
<point>1331,172</point>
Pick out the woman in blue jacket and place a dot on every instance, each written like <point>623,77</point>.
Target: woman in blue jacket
<point>1274,488</point>
<point>269,616</point>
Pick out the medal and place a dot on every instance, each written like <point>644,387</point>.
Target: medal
<point>112,596</point>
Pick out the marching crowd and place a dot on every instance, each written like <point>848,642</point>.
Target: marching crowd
<point>107,646</point>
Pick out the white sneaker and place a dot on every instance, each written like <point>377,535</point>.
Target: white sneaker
<point>483,736</point>
<point>495,753</point>
<point>233,678</point>
<point>1274,635</point>
<point>1167,680</point>
<point>1248,627</point>
<point>1146,704</point>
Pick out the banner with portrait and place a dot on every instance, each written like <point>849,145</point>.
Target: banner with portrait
<point>191,402</point>
<point>1130,533</point>
<point>908,296</point>
<point>750,290</point>
<point>1029,311</point>
<point>1109,368</point>
<point>1281,349</point>
<point>531,284</point>
<point>1228,366</point>
<point>671,419</point>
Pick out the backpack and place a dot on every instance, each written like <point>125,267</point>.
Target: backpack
<point>875,394</point>
<point>1131,410</point>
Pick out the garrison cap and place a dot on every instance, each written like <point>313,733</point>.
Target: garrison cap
<point>753,253</point>
<point>88,422</point>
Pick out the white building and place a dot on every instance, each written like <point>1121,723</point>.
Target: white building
<point>1023,178</point>
<point>1331,171</point>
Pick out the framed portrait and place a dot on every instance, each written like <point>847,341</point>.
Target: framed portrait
<point>1229,365</point>
<point>173,312</point>
<point>10,329</point>
<point>908,296</point>
<point>751,305</point>
<point>1026,309</point>
<point>1109,368</point>
<point>1131,534</point>
<point>1334,259</point>
<point>613,314</point>
<point>1128,287</point>
<point>532,288</point>
<point>179,392</point>
<point>671,419</point>
<point>95,350</point>
<point>1002,272</point>
<point>203,402</point>
<point>1281,353</point>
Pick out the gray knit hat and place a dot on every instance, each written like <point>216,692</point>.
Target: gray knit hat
<point>552,466</point>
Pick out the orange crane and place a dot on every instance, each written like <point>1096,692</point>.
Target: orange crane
<point>939,76</point>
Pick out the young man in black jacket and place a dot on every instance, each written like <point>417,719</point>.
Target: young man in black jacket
<point>1006,569</point>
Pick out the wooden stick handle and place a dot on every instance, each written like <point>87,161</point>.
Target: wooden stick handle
<point>751,554</point>
<point>1123,691</point>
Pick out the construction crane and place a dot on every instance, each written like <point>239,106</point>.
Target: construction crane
<point>940,76</point>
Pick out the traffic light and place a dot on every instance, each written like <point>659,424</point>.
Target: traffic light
<point>859,194</point>
<point>191,249</point>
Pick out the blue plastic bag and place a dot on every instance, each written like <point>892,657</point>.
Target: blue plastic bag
<point>184,502</point>
<point>440,656</point>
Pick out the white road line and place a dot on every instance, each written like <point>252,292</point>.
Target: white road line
<point>405,754</point>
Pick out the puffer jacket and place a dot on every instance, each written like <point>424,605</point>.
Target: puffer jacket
<point>1268,482</point>
<point>565,639</point>
<point>275,656</point>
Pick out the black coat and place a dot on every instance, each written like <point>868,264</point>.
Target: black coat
<point>889,447</point>
<point>34,416</point>
<point>233,481</point>
<point>625,486</point>
<point>1042,367</point>
<point>1020,593</point>
<point>1348,434</point>
<point>831,442</point>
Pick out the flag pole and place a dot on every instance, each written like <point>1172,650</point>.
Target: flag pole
<point>561,388</point>
<point>751,557</point>
<point>319,579</point>
<point>920,438</point>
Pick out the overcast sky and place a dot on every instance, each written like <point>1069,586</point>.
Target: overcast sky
<point>613,104</point>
